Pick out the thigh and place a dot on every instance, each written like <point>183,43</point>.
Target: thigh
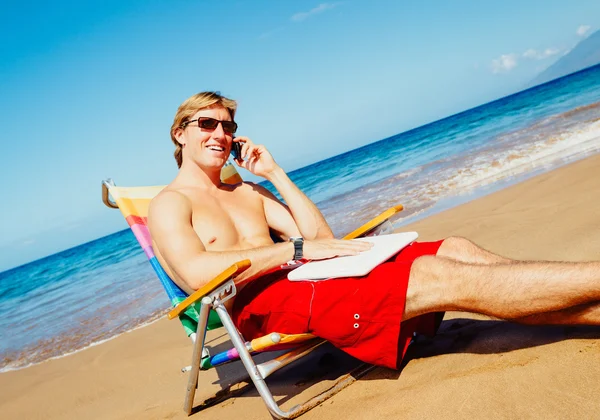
<point>273,304</point>
<point>417,249</point>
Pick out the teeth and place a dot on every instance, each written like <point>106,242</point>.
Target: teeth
<point>216,148</point>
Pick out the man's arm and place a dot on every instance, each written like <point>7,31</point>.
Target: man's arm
<point>170,223</point>
<point>308,217</point>
<point>278,215</point>
<point>305,214</point>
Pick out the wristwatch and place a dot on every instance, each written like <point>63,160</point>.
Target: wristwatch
<point>298,242</point>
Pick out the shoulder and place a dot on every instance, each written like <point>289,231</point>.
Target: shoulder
<point>247,186</point>
<point>250,190</point>
<point>167,204</point>
<point>257,189</point>
<point>170,197</point>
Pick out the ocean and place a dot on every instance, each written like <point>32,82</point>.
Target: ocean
<point>101,289</point>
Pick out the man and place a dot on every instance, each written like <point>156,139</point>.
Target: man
<point>201,226</point>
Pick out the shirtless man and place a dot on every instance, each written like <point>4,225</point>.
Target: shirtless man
<point>201,226</point>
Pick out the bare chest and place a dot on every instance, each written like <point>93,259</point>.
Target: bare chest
<point>230,221</point>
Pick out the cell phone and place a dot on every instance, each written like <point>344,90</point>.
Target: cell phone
<point>236,150</point>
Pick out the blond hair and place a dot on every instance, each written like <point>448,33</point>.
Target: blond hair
<point>192,105</point>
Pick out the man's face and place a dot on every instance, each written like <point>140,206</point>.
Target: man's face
<point>208,148</point>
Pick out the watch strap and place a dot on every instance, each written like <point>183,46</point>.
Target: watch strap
<point>298,247</point>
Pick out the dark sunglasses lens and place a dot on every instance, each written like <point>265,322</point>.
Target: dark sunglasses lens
<point>208,123</point>
<point>212,124</point>
<point>229,126</point>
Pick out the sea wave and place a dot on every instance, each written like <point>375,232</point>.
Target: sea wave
<point>533,149</point>
<point>41,353</point>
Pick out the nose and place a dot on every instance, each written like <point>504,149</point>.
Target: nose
<point>218,132</point>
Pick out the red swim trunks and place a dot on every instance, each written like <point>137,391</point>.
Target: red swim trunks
<point>359,315</point>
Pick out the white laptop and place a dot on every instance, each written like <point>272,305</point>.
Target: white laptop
<point>385,246</point>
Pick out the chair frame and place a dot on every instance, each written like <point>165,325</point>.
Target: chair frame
<point>222,288</point>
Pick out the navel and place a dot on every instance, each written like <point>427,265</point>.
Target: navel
<point>212,240</point>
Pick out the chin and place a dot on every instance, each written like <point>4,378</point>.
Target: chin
<point>213,164</point>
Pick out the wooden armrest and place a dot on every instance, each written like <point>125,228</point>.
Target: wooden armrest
<point>234,270</point>
<point>373,223</point>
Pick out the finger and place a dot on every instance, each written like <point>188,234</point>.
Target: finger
<point>251,153</point>
<point>355,244</point>
<point>243,139</point>
<point>259,150</point>
<point>256,152</point>
<point>244,151</point>
<point>240,140</point>
<point>355,250</point>
<point>360,244</point>
<point>365,244</point>
<point>347,252</point>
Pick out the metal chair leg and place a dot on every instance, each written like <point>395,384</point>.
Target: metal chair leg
<point>197,355</point>
<point>249,364</point>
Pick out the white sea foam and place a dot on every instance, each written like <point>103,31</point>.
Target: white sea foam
<point>546,153</point>
<point>512,155</point>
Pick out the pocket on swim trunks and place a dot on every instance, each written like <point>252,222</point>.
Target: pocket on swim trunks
<point>336,313</point>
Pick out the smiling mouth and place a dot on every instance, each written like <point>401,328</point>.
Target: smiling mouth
<point>216,148</point>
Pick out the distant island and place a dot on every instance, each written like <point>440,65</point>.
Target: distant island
<point>585,54</point>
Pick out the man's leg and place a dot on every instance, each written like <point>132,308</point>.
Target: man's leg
<point>513,291</point>
<point>462,249</point>
<point>587,314</point>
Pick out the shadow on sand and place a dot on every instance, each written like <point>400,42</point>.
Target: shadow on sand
<point>327,365</point>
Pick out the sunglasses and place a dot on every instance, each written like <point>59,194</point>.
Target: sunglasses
<point>207,123</point>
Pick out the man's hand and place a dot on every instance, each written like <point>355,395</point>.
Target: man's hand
<point>255,158</point>
<point>321,249</point>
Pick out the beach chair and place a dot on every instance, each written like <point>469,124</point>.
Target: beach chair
<point>204,309</point>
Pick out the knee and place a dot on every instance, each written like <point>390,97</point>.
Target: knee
<point>456,242</point>
<point>454,245</point>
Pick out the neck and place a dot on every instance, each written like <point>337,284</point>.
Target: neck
<point>192,174</point>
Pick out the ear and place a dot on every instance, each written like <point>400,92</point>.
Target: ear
<point>179,136</point>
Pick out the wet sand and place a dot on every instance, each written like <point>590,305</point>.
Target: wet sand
<point>475,367</point>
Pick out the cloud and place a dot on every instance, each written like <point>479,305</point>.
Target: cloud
<point>504,63</point>
<point>301,16</point>
<point>583,29</point>
<point>507,62</point>
<point>323,7</point>
<point>540,55</point>
<point>268,34</point>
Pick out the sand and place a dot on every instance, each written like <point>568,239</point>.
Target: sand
<point>475,367</point>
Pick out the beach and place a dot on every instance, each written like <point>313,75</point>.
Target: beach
<point>475,367</point>
<point>428,169</point>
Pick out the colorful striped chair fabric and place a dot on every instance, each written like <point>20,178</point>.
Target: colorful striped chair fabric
<point>133,203</point>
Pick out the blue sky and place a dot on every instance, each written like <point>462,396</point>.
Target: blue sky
<point>88,90</point>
